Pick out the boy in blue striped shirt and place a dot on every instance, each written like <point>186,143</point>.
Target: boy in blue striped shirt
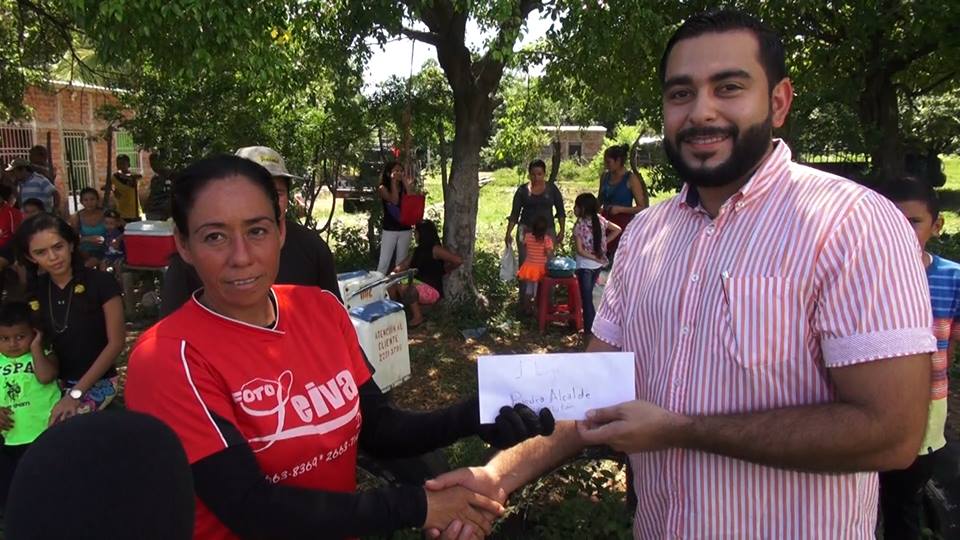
<point>901,492</point>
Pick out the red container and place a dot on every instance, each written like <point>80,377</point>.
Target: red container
<point>149,243</point>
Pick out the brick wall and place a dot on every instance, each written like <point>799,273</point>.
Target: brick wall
<point>72,109</point>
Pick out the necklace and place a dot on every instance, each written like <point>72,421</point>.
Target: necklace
<point>59,328</point>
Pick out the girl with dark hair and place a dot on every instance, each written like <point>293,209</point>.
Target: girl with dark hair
<point>81,312</point>
<point>593,234</point>
<point>538,245</point>
<point>90,225</point>
<point>268,390</point>
<point>432,261</point>
<point>395,236</point>
<point>619,188</point>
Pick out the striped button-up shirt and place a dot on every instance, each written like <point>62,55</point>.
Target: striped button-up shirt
<point>799,272</point>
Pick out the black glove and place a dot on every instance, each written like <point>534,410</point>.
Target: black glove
<point>515,425</point>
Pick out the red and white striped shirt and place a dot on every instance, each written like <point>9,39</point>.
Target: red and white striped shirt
<point>800,271</point>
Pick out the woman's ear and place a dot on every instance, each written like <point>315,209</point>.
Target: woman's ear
<point>183,248</point>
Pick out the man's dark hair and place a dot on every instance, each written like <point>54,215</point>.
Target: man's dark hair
<point>36,203</point>
<point>14,313</point>
<point>908,188</point>
<point>772,55</point>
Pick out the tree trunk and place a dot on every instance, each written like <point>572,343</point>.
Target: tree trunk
<point>880,115</point>
<point>444,179</point>
<point>555,160</point>
<point>460,205</point>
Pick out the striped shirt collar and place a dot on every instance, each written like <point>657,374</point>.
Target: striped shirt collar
<point>759,184</point>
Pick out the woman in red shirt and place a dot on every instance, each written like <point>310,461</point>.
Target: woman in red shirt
<point>268,390</point>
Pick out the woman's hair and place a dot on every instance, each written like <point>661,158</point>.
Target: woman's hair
<point>46,222</point>
<point>618,152</point>
<point>90,190</point>
<point>191,181</point>
<point>387,172</point>
<point>588,206</point>
<point>539,227</point>
<point>427,238</point>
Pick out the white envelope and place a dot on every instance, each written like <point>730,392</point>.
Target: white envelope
<point>569,384</point>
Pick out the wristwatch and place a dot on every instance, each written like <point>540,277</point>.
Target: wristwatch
<point>75,393</point>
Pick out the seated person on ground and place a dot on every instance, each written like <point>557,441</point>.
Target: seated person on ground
<point>431,261</point>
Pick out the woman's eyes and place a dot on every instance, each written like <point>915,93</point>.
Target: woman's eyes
<point>213,237</point>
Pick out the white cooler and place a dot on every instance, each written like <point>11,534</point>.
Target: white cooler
<point>381,327</point>
<point>351,282</point>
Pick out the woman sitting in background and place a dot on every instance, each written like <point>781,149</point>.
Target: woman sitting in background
<point>89,224</point>
<point>431,261</point>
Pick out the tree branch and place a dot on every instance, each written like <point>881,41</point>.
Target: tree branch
<point>489,70</point>
<point>946,78</point>
<point>425,37</point>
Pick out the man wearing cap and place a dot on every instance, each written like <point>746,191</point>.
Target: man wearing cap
<point>34,185</point>
<point>305,258</point>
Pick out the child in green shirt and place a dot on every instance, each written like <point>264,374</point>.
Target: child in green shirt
<point>28,389</point>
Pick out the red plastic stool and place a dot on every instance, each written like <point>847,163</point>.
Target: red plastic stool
<point>547,311</point>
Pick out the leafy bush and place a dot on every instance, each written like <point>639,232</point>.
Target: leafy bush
<point>946,246</point>
<point>351,249</point>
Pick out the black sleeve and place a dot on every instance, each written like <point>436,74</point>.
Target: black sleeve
<point>234,488</point>
<point>179,282</point>
<point>389,432</point>
<point>517,204</point>
<point>105,285</point>
<point>558,202</point>
<point>326,268</point>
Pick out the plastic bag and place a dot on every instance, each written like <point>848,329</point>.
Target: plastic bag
<point>508,265</point>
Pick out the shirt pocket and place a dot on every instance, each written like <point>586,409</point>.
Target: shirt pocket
<point>761,318</point>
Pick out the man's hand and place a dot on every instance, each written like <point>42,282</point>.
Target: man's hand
<point>634,426</point>
<point>458,504</point>
<point>6,419</point>
<point>477,479</point>
<point>515,425</point>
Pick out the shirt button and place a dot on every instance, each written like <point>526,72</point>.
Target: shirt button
<point>739,205</point>
<point>685,330</point>
<point>677,383</point>
<point>695,278</point>
<point>725,274</point>
<point>711,229</point>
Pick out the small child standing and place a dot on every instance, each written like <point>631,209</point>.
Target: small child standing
<point>29,390</point>
<point>592,234</point>
<point>901,492</point>
<point>113,239</point>
<point>538,247</point>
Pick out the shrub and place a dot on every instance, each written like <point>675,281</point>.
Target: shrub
<point>351,249</point>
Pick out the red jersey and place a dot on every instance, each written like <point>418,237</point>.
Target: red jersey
<point>10,219</point>
<point>291,390</point>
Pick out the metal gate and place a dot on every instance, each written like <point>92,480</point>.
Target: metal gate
<point>15,142</point>
<point>77,158</point>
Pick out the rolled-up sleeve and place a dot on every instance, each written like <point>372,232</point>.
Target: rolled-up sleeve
<point>874,300</point>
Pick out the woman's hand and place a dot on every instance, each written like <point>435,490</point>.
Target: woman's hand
<point>65,408</point>
<point>460,504</point>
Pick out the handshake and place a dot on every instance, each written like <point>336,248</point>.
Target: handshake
<point>464,503</point>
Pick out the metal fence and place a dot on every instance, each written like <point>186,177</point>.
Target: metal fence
<point>15,142</point>
<point>125,146</point>
<point>77,148</point>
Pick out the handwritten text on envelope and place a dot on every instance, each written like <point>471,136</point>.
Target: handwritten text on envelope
<point>569,384</point>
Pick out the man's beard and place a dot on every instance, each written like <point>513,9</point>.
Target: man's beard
<point>748,149</point>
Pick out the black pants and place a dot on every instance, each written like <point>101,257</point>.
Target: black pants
<point>901,498</point>
<point>9,458</point>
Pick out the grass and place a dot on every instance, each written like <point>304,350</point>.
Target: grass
<point>950,194</point>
